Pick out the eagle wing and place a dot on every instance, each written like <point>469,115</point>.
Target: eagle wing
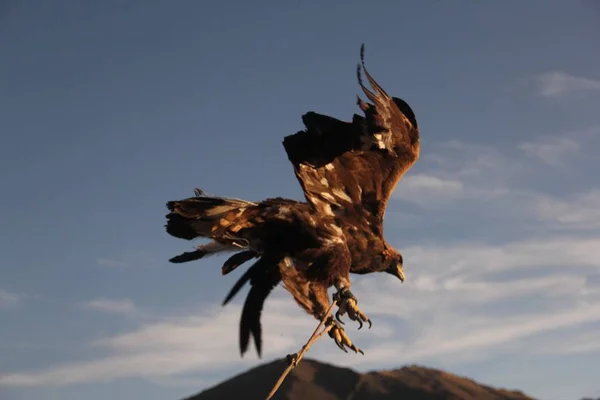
<point>351,169</point>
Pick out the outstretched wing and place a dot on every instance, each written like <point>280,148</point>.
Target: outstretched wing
<point>351,169</point>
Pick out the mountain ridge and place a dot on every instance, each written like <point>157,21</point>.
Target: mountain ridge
<point>322,381</point>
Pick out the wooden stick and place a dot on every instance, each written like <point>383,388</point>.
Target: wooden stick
<point>313,338</point>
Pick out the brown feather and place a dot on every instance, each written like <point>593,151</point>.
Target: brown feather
<point>347,171</point>
<point>236,260</point>
<point>356,177</point>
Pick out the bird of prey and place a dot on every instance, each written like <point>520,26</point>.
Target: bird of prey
<point>347,171</point>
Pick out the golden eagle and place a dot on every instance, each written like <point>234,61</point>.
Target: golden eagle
<point>347,171</point>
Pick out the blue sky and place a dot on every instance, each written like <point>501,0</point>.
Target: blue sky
<point>109,110</point>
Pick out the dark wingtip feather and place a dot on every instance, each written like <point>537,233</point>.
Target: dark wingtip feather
<point>247,321</point>
<point>188,256</point>
<point>360,83</point>
<point>366,91</point>
<point>250,320</point>
<point>258,341</point>
<point>244,338</point>
<point>361,63</point>
<point>239,284</point>
<point>236,260</point>
<point>177,227</point>
<point>362,53</point>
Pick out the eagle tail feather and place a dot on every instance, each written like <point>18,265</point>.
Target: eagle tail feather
<point>264,276</point>
<point>236,260</point>
<point>203,216</point>
<point>188,256</point>
<point>208,249</point>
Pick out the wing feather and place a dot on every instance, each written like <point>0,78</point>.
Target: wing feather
<point>263,276</point>
<point>351,169</point>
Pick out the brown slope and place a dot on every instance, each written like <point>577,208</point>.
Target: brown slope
<point>320,381</point>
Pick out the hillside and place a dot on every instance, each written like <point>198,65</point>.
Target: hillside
<point>319,381</point>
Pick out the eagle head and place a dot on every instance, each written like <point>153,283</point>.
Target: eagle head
<point>396,266</point>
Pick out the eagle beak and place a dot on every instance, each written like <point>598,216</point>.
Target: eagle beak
<point>398,272</point>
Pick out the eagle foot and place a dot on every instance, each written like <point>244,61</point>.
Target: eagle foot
<point>342,340</point>
<point>349,304</point>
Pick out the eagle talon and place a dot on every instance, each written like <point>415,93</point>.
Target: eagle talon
<point>341,346</point>
<point>342,340</point>
<point>337,316</point>
<point>360,324</point>
<point>348,304</point>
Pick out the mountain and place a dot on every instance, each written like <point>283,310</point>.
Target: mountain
<point>316,380</point>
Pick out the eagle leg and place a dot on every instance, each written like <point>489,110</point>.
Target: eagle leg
<point>340,338</point>
<point>349,304</point>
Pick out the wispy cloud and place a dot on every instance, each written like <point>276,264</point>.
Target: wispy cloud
<point>556,150</point>
<point>473,259</point>
<point>455,159</point>
<point>8,299</point>
<point>113,306</point>
<point>419,186</point>
<point>552,151</point>
<point>587,342</point>
<point>454,305</point>
<point>556,83</point>
<point>495,185</point>
<point>432,184</point>
<point>489,334</point>
<point>579,211</point>
<point>455,170</point>
<point>463,300</point>
<point>178,345</point>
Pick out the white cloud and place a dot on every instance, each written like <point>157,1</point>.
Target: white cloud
<point>552,151</point>
<point>461,177</point>
<point>432,184</point>
<point>114,306</point>
<point>480,259</point>
<point>557,149</point>
<point>444,281</point>
<point>451,307</point>
<point>180,345</point>
<point>417,187</point>
<point>456,171</point>
<point>461,300</point>
<point>587,342</point>
<point>478,162</point>
<point>556,83</point>
<point>8,299</point>
<point>488,334</point>
<point>103,370</point>
<point>580,211</point>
